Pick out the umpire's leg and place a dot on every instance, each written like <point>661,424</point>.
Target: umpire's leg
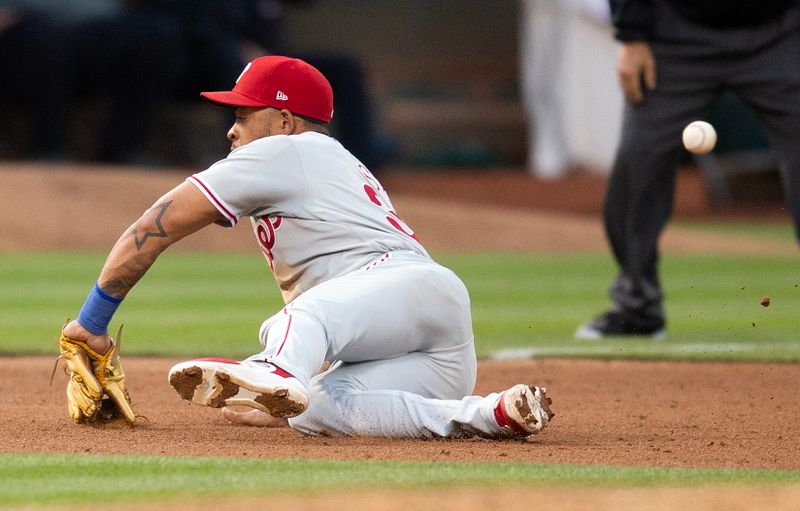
<point>769,81</point>
<point>641,186</point>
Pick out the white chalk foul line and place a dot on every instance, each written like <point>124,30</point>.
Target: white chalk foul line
<point>607,348</point>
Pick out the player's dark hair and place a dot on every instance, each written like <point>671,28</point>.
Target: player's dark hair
<point>315,125</point>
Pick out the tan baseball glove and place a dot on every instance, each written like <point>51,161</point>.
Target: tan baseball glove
<point>91,377</point>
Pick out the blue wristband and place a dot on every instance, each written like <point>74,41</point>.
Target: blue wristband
<point>97,311</point>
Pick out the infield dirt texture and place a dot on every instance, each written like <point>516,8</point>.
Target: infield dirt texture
<point>733,415</point>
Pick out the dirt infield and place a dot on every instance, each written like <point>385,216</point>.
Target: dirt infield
<point>610,413</point>
<point>617,413</point>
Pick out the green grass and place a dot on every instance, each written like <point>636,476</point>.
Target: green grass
<point>779,230</point>
<point>188,304</point>
<point>535,302</point>
<point>46,479</point>
<point>212,304</point>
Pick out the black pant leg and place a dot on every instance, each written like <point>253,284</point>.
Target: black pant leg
<point>641,185</point>
<point>769,82</point>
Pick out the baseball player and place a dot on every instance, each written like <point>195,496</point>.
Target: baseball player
<point>360,290</point>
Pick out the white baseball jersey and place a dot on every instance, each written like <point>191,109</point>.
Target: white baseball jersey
<point>360,290</point>
<point>317,213</point>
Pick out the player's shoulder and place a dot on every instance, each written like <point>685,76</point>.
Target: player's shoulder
<point>275,147</point>
<point>282,142</point>
<point>265,143</point>
<point>311,138</point>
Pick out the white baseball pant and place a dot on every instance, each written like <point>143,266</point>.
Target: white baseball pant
<point>399,332</point>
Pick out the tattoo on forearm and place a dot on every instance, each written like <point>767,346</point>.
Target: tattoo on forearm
<point>119,287</point>
<point>126,271</point>
<point>159,209</point>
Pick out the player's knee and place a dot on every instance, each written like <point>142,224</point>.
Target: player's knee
<point>327,410</point>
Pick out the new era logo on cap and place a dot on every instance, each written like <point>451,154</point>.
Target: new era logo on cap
<point>283,83</point>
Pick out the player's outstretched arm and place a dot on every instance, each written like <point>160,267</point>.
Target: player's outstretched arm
<point>182,211</point>
<point>92,359</point>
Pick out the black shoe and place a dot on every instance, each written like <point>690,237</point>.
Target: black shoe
<point>619,323</point>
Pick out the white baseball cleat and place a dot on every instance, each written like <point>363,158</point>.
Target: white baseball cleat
<point>218,382</point>
<point>523,410</point>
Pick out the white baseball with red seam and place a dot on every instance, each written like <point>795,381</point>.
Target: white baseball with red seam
<point>699,137</point>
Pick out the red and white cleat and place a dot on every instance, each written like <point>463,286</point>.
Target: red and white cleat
<point>218,382</point>
<point>523,410</point>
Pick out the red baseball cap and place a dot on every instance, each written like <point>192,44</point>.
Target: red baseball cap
<point>282,83</point>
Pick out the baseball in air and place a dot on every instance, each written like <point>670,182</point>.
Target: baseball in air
<point>699,137</point>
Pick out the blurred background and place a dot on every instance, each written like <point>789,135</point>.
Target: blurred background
<point>491,122</point>
<point>527,86</point>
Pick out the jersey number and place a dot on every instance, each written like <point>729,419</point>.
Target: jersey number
<point>377,196</point>
<point>265,233</point>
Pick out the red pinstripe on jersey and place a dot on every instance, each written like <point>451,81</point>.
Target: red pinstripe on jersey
<point>383,258</point>
<point>286,335</point>
<point>215,200</point>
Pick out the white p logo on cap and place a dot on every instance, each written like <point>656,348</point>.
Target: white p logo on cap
<point>244,71</point>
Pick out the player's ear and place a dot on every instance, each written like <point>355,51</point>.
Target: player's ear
<point>288,121</point>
